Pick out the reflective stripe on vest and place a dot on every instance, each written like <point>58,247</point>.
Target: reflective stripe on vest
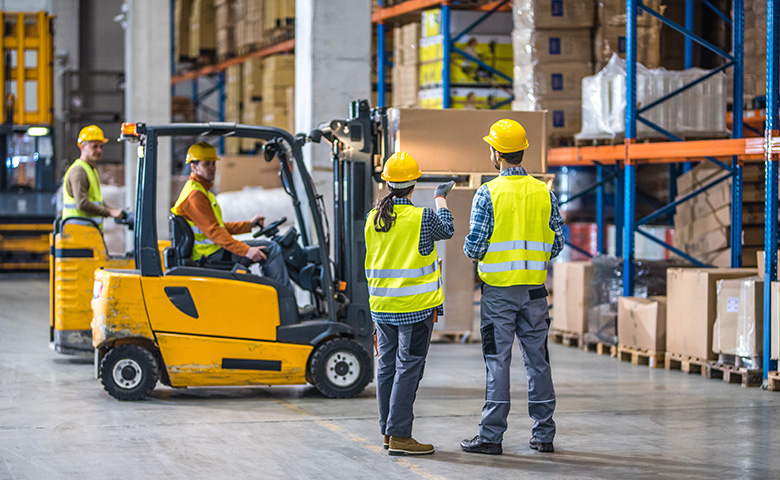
<point>69,208</point>
<point>203,246</point>
<point>522,240</point>
<point>400,280</point>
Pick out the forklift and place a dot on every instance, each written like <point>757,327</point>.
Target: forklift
<point>191,326</point>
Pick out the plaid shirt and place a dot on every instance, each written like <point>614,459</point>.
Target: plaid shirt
<point>481,223</point>
<point>435,226</point>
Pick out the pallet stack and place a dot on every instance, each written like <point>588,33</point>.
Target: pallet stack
<point>552,54</point>
<point>703,223</point>
<point>226,28</point>
<point>233,102</point>
<point>203,38</point>
<point>754,80</point>
<point>251,106</point>
<point>278,91</point>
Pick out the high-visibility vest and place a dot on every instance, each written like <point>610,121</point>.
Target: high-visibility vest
<point>203,246</point>
<point>95,196</point>
<point>522,239</point>
<point>401,280</point>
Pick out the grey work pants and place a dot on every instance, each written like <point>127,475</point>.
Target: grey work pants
<point>506,312</point>
<point>402,353</point>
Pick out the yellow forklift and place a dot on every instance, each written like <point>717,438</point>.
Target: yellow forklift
<point>190,326</point>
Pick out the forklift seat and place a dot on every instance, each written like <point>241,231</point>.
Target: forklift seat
<point>179,254</point>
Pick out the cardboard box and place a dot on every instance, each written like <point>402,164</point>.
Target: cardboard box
<point>451,140</point>
<point>722,258</point>
<point>564,117</point>
<point>705,172</point>
<point>554,13</point>
<point>719,239</point>
<point>466,98</point>
<point>203,33</point>
<point>740,320</point>
<point>571,291</point>
<point>181,17</point>
<point>499,23</point>
<point>686,229</point>
<point>550,81</point>
<point>775,332</point>
<point>406,44</point>
<point>406,86</point>
<point>239,171</point>
<point>760,260</point>
<point>692,308</point>
<point>642,323</point>
<point>613,13</point>
<point>612,40</point>
<point>532,47</point>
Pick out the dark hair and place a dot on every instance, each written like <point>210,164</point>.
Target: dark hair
<point>384,218</point>
<point>513,158</point>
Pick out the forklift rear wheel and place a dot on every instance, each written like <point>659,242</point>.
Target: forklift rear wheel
<point>129,372</point>
<point>340,368</point>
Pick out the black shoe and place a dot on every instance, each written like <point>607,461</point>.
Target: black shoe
<point>545,447</point>
<point>475,445</point>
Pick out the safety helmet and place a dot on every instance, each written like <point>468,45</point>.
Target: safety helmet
<point>91,133</point>
<point>202,151</point>
<point>401,170</point>
<point>507,136</point>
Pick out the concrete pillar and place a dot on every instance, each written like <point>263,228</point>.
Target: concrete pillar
<point>332,68</point>
<point>148,94</point>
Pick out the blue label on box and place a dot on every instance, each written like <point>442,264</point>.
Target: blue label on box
<point>555,46</point>
<point>558,119</point>
<point>621,44</point>
<point>557,81</point>
<point>557,8</point>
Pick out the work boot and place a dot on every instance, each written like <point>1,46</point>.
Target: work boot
<point>476,445</point>
<point>386,441</point>
<point>544,447</point>
<point>408,446</point>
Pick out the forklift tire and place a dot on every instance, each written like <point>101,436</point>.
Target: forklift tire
<point>340,368</point>
<point>129,372</point>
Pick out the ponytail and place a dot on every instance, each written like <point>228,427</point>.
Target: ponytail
<point>384,218</point>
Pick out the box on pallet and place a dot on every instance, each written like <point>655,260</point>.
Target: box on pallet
<point>406,44</point>
<point>642,323</point>
<point>451,140</point>
<point>551,46</point>
<point>739,322</point>
<point>406,86</point>
<point>553,13</point>
<point>550,81</point>
<point>692,308</point>
<point>203,35</point>
<point>571,290</point>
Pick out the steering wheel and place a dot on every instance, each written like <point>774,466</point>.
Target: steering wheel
<point>271,229</point>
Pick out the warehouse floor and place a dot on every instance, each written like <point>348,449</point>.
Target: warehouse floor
<point>615,420</point>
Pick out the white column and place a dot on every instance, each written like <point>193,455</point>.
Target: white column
<point>332,68</point>
<point>148,92</point>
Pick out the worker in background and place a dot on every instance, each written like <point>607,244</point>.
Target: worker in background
<point>514,230</point>
<point>81,195</point>
<point>405,295</point>
<point>214,240</point>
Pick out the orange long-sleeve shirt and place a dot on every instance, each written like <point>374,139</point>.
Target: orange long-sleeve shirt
<point>196,207</point>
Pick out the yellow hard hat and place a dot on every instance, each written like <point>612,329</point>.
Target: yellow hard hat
<point>507,136</point>
<point>202,151</point>
<point>401,168</point>
<point>91,133</point>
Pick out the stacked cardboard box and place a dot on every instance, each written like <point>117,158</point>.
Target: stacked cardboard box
<point>250,21</point>
<point>182,109</point>
<point>473,86</point>
<point>181,26</point>
<point>552,53</point>
<point>279,16</point>
<point>692,308</point>
<point>739,323</point>
<point>238,171</point>
<point>406,61</point>
<point>754,83</point>
<point>571,296</point>
<point>775,327</point>
<point>611,33</point>
<point>278,91</point>
<point>251,106</point>
<point>203,35</point>
<point>642,323</point>
<point>703,223</point>
<point>226,27</point>
<point>233,99</point>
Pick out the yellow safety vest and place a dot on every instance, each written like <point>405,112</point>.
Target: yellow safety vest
<point>203,246</point>
<point>522,239</point>
<point>95,196</point>
<point>400,280</point>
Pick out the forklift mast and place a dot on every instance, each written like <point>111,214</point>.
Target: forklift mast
<point>359,147</point>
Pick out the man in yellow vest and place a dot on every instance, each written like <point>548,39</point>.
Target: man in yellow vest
<point>81,193</point>
<point>214,240</point>
<point>515,229</point>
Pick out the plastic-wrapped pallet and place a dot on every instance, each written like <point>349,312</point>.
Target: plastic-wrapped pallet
<point>701,110</point>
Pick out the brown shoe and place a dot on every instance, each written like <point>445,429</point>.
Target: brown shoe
<point>386,441</point>
<point>408,446</point>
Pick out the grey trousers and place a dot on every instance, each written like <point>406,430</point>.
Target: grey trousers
<point>402,353</point>
<point>507,312</point>
<point>273,266</point>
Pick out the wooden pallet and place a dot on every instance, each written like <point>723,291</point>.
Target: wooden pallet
<point>600,348</point>
<point>773,382</point>
<point>685,363</point>
<point>747,377</point>
<point>638,356</point>
<point>567,339</point>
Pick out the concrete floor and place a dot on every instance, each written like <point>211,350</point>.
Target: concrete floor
<point>615,420</point>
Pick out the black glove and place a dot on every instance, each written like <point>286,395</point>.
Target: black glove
<point>443,189</point>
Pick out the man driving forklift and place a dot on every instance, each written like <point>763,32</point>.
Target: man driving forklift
<point>214,242</point>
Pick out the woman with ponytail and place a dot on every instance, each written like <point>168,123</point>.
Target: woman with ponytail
<point>405,294</point>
